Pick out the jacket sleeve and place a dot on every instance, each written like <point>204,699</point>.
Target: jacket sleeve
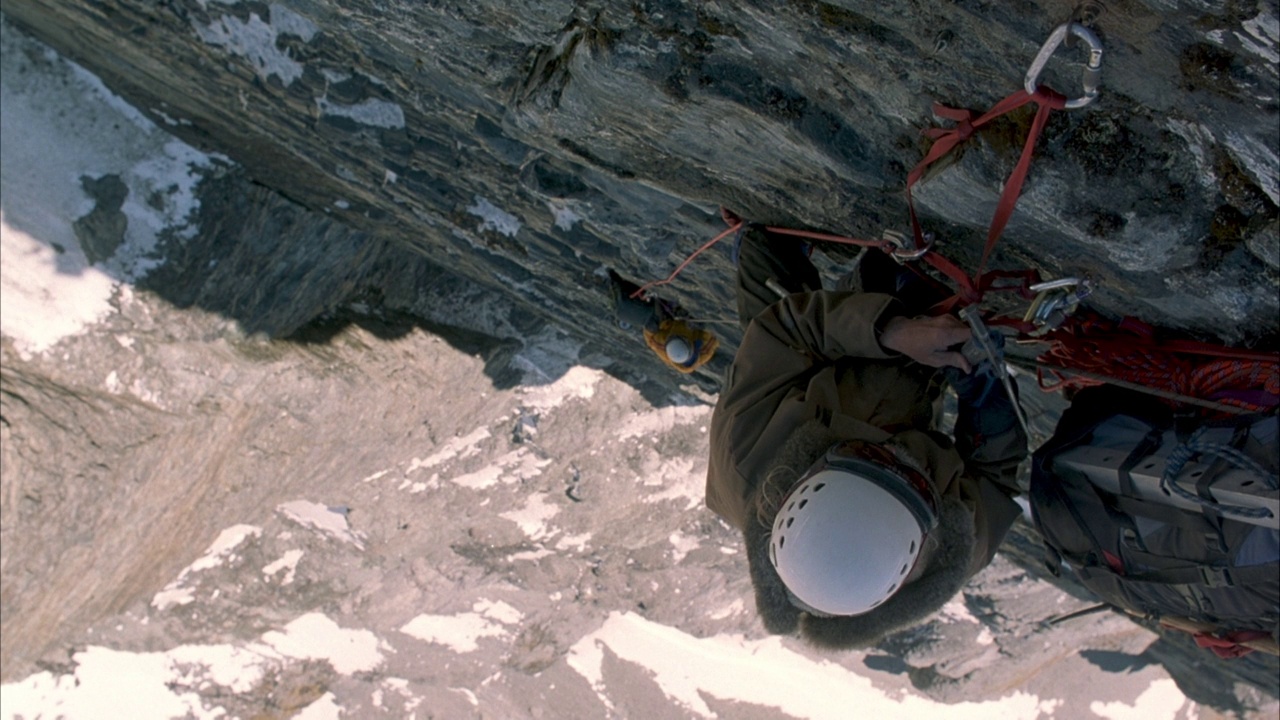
<point>812,329</point>
<point>990,439</point>
<point>992,444</point>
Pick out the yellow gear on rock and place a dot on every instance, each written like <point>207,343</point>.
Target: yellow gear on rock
<point>680,345</point>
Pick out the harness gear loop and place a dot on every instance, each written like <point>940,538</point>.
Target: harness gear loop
<point>1092,69</point>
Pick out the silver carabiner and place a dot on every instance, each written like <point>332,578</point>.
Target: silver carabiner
<point>1055,301</point>
<point>1092,68</point>
<point>904,251</point>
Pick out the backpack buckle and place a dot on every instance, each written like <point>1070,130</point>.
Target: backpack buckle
<point>1215,577</point>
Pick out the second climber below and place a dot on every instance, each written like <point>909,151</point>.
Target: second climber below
<point>860,517</point>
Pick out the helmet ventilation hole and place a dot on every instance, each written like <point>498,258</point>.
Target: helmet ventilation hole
<point>893,587</point>
<point>790,520</point>
<point>782,541</point>
<point>903,571</point>
<point>819,486</point>
<point>803,503</point>
<point>913,547</point>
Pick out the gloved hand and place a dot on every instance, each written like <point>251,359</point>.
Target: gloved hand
<point>986,410</point>
<point>974,389</point>
<point>927,340</point>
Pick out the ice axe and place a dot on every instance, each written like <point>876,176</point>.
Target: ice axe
<point>980,348</point>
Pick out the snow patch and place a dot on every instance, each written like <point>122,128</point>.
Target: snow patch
<point>516,466</point>
<point>132,685</point>
<point>255,40</point>
<point>1264,32</point>
<point>662,420</point>
<point>374,112</point>
<point>679,480</point>
<point>533,517</point>
<point>564,217</point>
<point>494,218</point>
<point>1259,160</point>
<point>324,519</point>
<point>463,632</point>
<point>578,382</point>
<point>1161,700</point>
<point>762,672</point>
<point>60,125</point>
<point>155,684</point>
<point>459,447</point>
<point>737,607</point>
<point>315,637</point>
<point>323,708</point>
<point>288,22</point>
<point>956,610</point>
<point>682,545</point>
<point>288,563</point>
<point>220,551</point>
<point>573,542</point>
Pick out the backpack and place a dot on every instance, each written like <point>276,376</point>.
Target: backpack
<point>1168,516</point>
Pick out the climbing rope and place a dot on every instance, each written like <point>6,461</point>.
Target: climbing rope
<point>1130,352</point>
<point>736,223</point>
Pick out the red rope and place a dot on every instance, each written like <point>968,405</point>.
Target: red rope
<point>1130,351</point>
<point>736,223</point>
<point>641,290</point>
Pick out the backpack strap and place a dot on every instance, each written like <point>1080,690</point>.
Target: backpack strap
<point>1200,575</point>
<point>1150,443</point>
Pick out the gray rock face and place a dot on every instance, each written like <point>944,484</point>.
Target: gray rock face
<point>527,146</point>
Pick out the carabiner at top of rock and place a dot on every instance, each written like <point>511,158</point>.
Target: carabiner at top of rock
<point>1092,69</point>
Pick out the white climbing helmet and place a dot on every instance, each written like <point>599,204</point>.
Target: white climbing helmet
<point>849,533</point>
<point>679,351</point>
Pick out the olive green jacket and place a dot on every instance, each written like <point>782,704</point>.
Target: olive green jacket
<point>816,356</point>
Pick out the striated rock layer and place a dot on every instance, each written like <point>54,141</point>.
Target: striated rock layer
<point>526,146</point>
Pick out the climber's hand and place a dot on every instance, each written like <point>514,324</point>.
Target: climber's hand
<point>928,340</point>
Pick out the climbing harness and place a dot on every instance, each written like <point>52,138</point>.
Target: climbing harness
<point>678,340</point>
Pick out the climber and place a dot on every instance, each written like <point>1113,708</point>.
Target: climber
<point>859,516</point>
<point>680,343</point>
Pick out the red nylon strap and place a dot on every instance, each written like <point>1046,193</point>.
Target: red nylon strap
<point>1230,646</point>
<point>972,288</point>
